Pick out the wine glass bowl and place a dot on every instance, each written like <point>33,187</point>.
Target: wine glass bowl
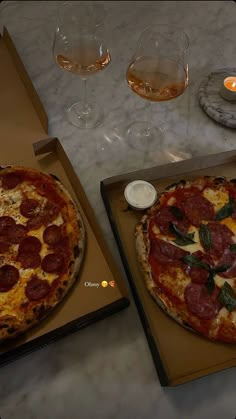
<point>157,72</point>
<point>89,58</point>
<point>167,83</point>
<point>80,48</point>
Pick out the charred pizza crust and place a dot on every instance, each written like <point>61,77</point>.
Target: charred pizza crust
<point>223,327</point>
<point>17,312</point>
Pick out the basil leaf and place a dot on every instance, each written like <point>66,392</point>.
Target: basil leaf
<point>180,233</point>
<point>183,242</point>
<point>205,236</point>
<point>227,297</point>
<point>232,248</point>
<point>226,210</point>
<point>194,261</point>
<point>221,268</point>
<point>210,284</point>
<point>176,212</point>
<point>182,239</point>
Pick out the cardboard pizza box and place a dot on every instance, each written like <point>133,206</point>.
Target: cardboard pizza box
<point>179,355</point>
<point>24,141</point>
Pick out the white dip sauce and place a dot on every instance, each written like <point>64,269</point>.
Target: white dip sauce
<point>140,194</point>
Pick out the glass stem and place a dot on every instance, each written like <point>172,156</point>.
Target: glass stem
<point>85,104</point>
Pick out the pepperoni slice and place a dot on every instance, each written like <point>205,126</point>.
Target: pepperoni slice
<point>228,258</point>
<point>230,273</point>
<point>50,211</point>
<point>35,223</point>
<point>52,235</point>
<point>36,288</point>
<point>29,245</point>
<point>16,233</point>
<point>29,208</point>
<point>221,237</point>
<point>198,208</point>
<point>200,275</point>
<point>165,216</point>
<point>165,252</point>
<point>234,215</point>
<point>11,180</point>
<point>4,246</point>
<point>29,260</point>
<point>204,257</point>
<point>200,302</point>
<point>53,262</point>
<point>9,276</point>
<point>63,246</point>
<point>5,222</point>
<point>45,215</point>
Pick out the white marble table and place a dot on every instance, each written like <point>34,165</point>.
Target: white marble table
<point>106,371</point>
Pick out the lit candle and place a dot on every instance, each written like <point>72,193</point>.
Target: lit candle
<point>230,83</point>
<point>228,89</point>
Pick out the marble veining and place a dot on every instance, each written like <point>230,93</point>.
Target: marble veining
<point>106,371</point>
<point>214,105</point>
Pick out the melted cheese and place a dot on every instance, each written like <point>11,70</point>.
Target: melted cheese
<point>69,228</point>
<point>176,282</point>
<point>217,197</point>
<point>231,224</point>
<point>219,280</point>
<point>171,200</point>
<point>156,231</point>
<point>194,247</point>
<point>233,317</point>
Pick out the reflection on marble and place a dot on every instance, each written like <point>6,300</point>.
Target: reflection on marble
<point>106,371</point>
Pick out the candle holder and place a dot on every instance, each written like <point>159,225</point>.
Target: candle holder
<point>228,89</point>
<point>217,98</point>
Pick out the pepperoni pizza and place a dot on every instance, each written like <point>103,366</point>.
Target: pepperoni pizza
<point>186,245</point>
<point>42,241</point>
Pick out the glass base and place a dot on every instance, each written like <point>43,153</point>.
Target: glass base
<point>148,139</point>
<point>85,116</point>
<point>143,136</point>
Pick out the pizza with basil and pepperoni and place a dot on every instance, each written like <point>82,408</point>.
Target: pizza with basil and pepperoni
<point>42,243</point>
<point>186,246</point>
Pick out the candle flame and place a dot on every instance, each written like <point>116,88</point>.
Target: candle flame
<point>230,83</point>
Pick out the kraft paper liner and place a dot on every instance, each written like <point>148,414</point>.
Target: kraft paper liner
<point>26,80</point>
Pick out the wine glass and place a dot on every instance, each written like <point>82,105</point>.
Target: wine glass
<point>80,47</point>
<point>157,72</point>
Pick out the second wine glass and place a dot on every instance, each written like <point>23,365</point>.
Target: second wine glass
<point>157,72</point>
<point>80,48</point>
